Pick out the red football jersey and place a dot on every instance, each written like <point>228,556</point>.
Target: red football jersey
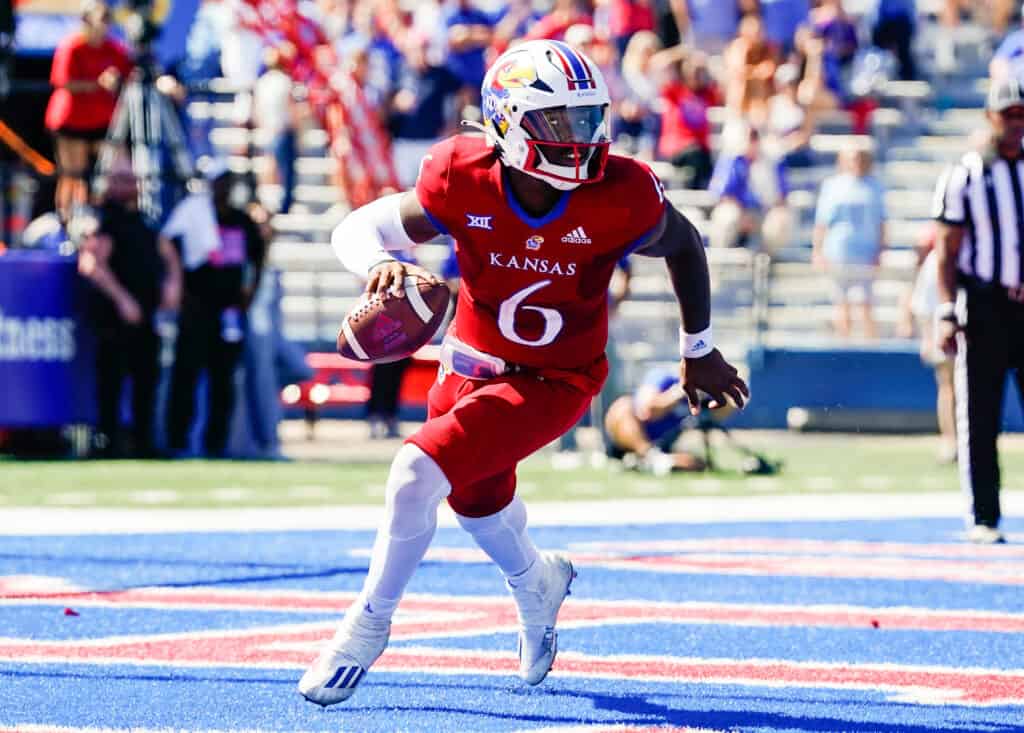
<point>534,290</point>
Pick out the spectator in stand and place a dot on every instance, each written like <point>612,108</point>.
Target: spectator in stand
<point>638,111</point>
<point>134,272</point>
<point>1008,60</point>
<point>513,21</point>
<point>277,117</point>
<point>224,253</point>
<point>781,19</point>
<point>921,308</point>
<point>832,23</point>
<point>564,13</point>
<point>241,56</point>
<point>369,46</point>
<point>751,194</point>
<point>421,110</point>
<point>750,65</point>
<point>710,25</point>
<point>88,68</point>
<point>685,138</point>
<point>202,64</point>
<point>470,30</point>
<point>790,126</point>
<point>626,17</point>
<point>820,88</point>
<point>893,25</point>
<point>849,235</point>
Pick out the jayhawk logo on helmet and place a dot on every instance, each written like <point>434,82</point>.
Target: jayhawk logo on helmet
<point>545,107</point>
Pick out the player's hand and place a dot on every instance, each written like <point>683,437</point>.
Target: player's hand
<point>388,278</point>
<point>945,336</point>
<point>711,373</point>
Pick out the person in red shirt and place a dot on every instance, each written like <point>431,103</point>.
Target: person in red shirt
<point>626,17</point>
<point>88,67</point>
<point>685,131</point>
<point>540,214</point>
<point>564,14</point>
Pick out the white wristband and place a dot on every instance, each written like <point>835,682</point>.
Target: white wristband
<point>696,345</point>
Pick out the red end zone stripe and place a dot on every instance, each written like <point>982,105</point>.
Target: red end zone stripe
<point>440,616</point>
<point>823,547</point>
<point>901,682</point>
<point>949,571</point>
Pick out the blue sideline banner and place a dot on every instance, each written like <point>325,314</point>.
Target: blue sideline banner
<point>47,374</point>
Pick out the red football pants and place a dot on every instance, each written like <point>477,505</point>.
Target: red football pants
<point>477,431</point>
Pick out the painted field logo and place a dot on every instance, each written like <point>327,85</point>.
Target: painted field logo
<point>431,619</point>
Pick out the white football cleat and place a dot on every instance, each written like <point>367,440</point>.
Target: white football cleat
<point>343,662</point>
<point>981,534</point>
<point>538,609</point>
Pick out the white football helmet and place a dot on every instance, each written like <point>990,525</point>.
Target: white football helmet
<point>545,106</point>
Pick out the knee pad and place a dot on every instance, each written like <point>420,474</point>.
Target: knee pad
<point>416,485</point>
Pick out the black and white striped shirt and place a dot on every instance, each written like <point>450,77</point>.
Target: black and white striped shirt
<point>985,196</point>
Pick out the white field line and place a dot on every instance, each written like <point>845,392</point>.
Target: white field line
<point>683,510</point>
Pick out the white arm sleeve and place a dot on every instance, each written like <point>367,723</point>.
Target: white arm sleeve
<point>365,237</point>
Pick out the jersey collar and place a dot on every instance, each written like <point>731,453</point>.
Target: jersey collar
<point>534,221</point>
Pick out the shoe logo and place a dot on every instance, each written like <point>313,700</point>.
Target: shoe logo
<point>534,242</point>
<point>346,677</point>
<point>577,236</point>
<point>479,222</point>
<point>368,608</point>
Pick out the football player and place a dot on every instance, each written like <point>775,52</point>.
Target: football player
<point>540,213</point>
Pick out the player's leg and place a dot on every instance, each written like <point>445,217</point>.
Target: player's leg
<point>538,581</point>
<point>499,423</point>
<point>416,486</point>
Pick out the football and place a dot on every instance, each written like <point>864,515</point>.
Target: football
<point>382,329</point>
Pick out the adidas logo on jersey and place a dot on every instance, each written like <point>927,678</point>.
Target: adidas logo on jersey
<point>577,236</point>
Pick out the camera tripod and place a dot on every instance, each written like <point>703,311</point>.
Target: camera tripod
<point>146,125</point>
<point>754,463</point>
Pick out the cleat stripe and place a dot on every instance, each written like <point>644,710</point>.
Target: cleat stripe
<point>346,680</point>
<point>334,680</point>
<point>355,680</point>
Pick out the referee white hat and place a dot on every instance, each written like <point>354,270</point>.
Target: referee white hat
<point>1003,94</point>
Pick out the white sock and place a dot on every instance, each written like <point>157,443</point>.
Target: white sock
<point>503,537</point>
<point>416,485</point>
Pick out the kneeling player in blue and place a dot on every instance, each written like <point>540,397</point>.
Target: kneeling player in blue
<point>642,428</point>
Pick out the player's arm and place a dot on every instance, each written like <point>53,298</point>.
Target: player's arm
<point>365,239</point>
<point>702,366</point>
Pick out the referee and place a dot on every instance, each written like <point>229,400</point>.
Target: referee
<point>979,206</point>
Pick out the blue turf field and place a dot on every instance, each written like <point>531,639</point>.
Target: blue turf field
<point>798,626</point>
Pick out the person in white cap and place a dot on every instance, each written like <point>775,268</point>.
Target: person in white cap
<point>979,207</point>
